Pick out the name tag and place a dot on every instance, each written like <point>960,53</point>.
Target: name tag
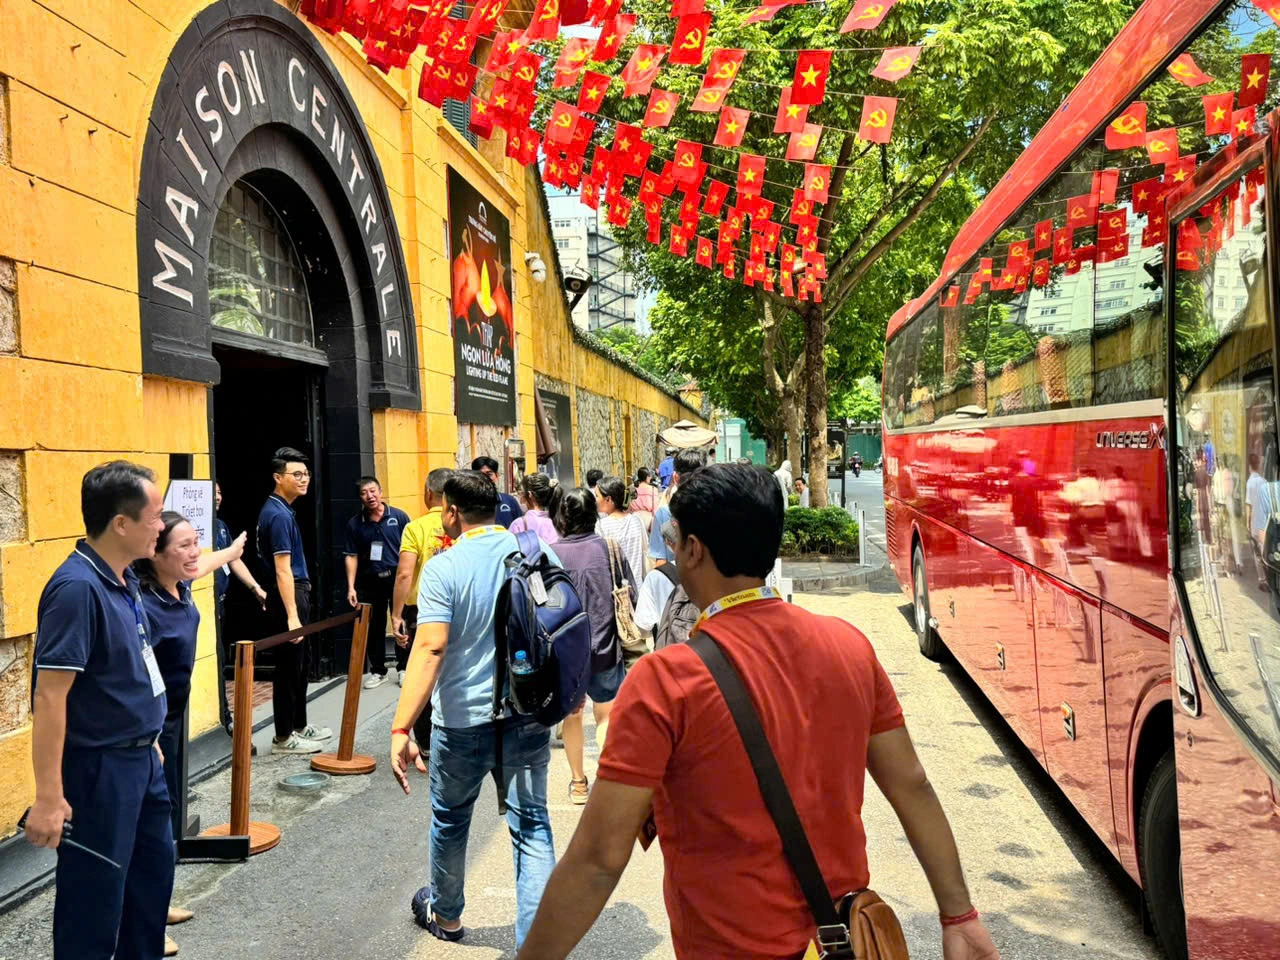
<point>375,552</point>
<point>537,588</point>
<point>226,569</point>
<point>153,669</point>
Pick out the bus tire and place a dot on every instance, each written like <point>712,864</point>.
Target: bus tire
<point>931,644</point>
<point>1160,858</point>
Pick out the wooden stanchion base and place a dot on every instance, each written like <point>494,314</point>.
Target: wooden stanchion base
<point>331,763</point>
<point>262,836</point>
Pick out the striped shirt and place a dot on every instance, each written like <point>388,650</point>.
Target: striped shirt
<point>628,530</point>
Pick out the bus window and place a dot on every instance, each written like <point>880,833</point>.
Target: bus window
<point>924,346</point>
<point>1228,461</point>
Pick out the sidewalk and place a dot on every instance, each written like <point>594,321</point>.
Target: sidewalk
<point>816,576</point>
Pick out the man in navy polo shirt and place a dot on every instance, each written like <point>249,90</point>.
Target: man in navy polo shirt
<point>288,602</point>
<point>98,704</point>
<point>508,506</point>
<point>371,557</point>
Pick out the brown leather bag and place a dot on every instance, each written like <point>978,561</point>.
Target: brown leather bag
<point>860,925</point>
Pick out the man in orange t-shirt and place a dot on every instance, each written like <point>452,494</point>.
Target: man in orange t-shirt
<point>831,716</point>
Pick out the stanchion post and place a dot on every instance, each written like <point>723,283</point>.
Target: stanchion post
<point>345,762</point>
<point>862,538</point>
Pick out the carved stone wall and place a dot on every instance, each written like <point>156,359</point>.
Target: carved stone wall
<point>597,446</point>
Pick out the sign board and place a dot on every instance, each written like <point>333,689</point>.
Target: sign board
<point>194,500</point>
<point>560,417</point>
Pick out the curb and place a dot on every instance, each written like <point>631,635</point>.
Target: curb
<point>817,584</point>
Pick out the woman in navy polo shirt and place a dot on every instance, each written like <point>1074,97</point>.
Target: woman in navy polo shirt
<point>174,621</point>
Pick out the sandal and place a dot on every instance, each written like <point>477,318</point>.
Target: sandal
<point>579,791</point>
<point>422,915</point>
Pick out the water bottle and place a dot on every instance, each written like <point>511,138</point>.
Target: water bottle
<point>521,666</point>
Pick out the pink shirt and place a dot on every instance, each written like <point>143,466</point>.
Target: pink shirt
<point>539,522</point>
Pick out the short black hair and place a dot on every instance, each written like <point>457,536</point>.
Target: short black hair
<point>473,494</point>
<point>614,489</point>
<point>543,490</point>
<point>285,456</point>
<point>112,489</point>
<point>578,513</point>
<point>642,475</point>
<point>736,512</point>
<point>689,462</point>
<point>593,477</point>
<point>436,480</point>
<point>365,481</point>
<point>479,463</point>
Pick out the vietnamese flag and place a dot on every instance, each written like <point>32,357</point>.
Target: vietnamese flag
<point>595,86</point>
<point>689,206</point>
<point>642,69</point>
<point>1243,121</point>
<point>612,33</point>
<point>1104,185</point>
<point>810,82</point>
<point>1129,129</point>
<point>481,122</point>
<point>1185,69</point>
<point>688,157</point>
<point>561,122</point>
<point>1255,73</point>
<point>1162,145</point>
<point>733,124</point>
<point>866,15</point>
<point>804,145</point>
<point>679,243</point>
<point>1082,211</point>
<point>1179,172</point>
<point>817,181</point>
<point>1270,8</point>
<point>1156,231</point>
<point>717,191</point>
<point>691,36</point>
<point>1217,113</point>
<point>685,8</point>
<point>1044,234</point>
<point>750,174</point>
<point>723,69</point>
<point>896,62</point>
<point>1147,195</point>
<point>662,108</point>
<point>877,119</point>
<point>791,116</point>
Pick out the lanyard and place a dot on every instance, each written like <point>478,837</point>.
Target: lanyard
<point>733,600</point>
<point>482,531</point>
<point>135,601</point>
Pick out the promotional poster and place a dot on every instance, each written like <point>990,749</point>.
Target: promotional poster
<point>560,419</point>
<point>483,320</point>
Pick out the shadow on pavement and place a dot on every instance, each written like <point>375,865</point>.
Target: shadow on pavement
<point>622,932</point>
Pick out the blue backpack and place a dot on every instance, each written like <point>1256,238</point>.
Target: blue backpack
<point>540,616</point>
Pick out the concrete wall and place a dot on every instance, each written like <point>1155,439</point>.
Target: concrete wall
<point>77,81</point>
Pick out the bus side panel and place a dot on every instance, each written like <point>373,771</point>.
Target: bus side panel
<point>1073,715</point>
<point>1136,671</point>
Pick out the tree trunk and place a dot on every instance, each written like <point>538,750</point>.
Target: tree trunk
<point>815,342</point>
<point>793,414</point>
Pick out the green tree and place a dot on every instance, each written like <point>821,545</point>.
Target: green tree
<point>644,352</point>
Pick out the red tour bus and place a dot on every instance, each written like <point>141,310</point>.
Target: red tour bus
<point>1082,480</point>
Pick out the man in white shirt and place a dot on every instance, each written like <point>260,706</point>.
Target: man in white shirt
<point>658,586</point>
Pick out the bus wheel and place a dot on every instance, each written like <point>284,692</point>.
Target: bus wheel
<point>930,643</point>
<point>1160,859</point>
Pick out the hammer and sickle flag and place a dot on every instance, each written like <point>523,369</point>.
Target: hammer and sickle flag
<point>662,108</point>
<point>1082,211</point>
<point>545,22</point>
<point>804,145</point>
<point>1271,8</point>
<point>817,181</point>
<point>866,15</point>
<point>1113,224</point>
<point>1129,129</point>
<point>690,37</point>
<point>702,255</point>
<point>561,123</point>
<point>952,297</point>
<point>574,56</point>
<point>1185,69</point>
<point>642,69</point>
<point>687,170</point>
<point>733,124</point>
<point>809,85</point>
<point>683,8</point>
<point>896,63</point>
<point>877,119</point>
<point>723,69</point>
<point>1162,145</point>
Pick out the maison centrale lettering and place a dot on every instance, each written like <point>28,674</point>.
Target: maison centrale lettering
<point>240,93</point>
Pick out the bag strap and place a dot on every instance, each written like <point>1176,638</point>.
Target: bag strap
<point>833,935</point>
<point>530,546</point>
<point>669,571</point>
<point>615,562</point>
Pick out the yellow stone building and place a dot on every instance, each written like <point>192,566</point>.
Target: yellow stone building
<point>222,231</point>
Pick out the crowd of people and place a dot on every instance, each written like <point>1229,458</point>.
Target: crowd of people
<point>654,560</point>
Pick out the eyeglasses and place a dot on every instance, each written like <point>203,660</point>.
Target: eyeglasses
<point>300,475</point>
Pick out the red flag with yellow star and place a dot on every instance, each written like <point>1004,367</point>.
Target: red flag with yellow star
<point>1162,145</point>
<point>691,36</point>
<point>1255,73</point>
<point>1063,243</point>
<point>750,174</point>
<point>1217,113</point>
<point>612,33</point>
<point>896,62</point>
<point>684,8</point>
<point>817,181</point>
<point>804,145</point>
<point>481,122</point>
<point>810,83</point>
<point>595,86</point>
<point>1156,231</point>
<point>1243,122</point>
<point>1179,172</point>
<point>733,124</point>
<point>1044,234</point>
<point>661,109</point>
<point>791,116</point>
<point>1185,69</point>
<point>642,69</point>
<point>867,15</point>
<point>877,119</point>
<point>1147,195</point>
<point>678,244</point>
<point>714,200</point>
<point>1129,129</point>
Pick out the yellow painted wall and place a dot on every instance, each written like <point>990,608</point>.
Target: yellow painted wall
<point>76,86</point>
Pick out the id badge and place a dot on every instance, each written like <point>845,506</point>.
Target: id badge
<point>153,669</point>
<point>375,552</point>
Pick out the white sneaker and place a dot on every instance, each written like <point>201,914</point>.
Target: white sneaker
<point>312,732</point>
<point>399,678</point>
<point>295,744</point>
<point>374,680</point>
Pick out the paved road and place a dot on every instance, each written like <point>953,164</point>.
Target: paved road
<point>339,884</point>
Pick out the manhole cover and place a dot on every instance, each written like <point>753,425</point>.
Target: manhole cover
<point>309,782</point>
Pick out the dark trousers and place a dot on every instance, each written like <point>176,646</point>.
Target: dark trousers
<point>289,685</point>
<point>422,726</point>
<point>376,591</point>
<point>170,745</point>
<point>120,808</point>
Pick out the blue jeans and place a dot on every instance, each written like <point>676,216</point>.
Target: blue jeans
<point>462,760</point>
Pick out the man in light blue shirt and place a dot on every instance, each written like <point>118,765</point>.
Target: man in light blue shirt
<point>452,665</point>
<point>687,462</point>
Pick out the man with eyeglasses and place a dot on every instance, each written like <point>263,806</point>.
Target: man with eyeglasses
<point>509,508</point>
<point>288,603</point>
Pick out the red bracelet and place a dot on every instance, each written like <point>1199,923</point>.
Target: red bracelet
<point>962,918</point>
<point>395,730</point>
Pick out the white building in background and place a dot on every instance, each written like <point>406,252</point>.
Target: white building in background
<point>586,247</point>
